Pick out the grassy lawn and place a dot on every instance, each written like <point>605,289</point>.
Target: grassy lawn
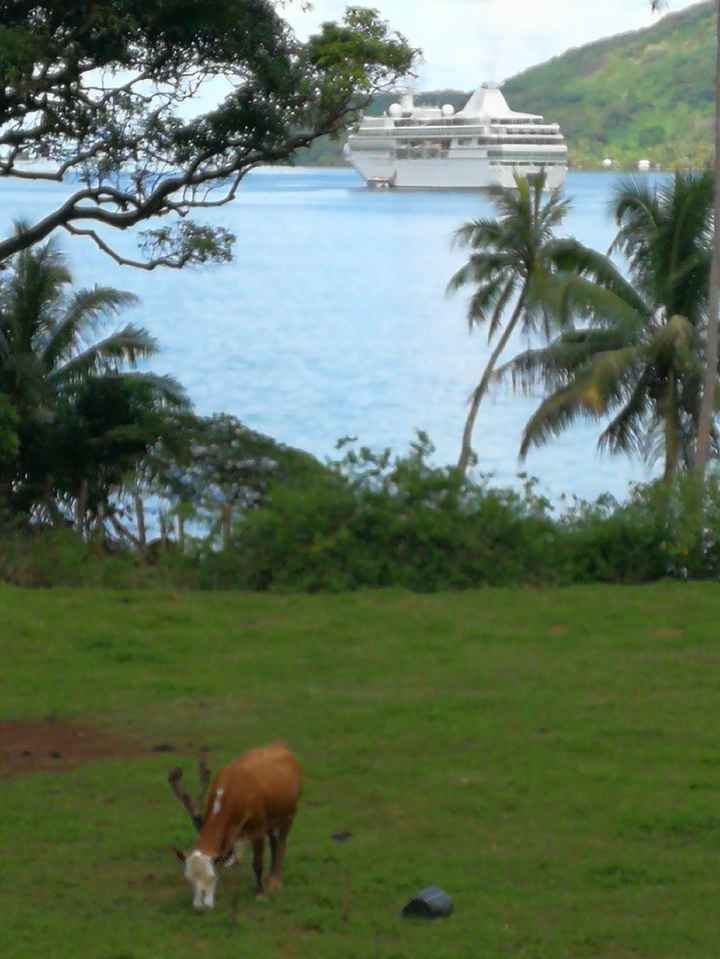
<point>550,758</point>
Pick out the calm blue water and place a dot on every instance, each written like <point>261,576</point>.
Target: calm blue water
<point>333,320</point>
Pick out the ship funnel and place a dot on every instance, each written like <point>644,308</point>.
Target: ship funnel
<point>407,102</point>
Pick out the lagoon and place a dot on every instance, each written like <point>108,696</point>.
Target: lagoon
<point>332,320</point>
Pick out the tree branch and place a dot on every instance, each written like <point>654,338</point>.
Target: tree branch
<point>173,263</point>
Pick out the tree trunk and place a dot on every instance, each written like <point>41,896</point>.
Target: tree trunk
<point>100,522</point>
<point>226,519</point>
<point>481,389</point>
<point>707,408</point>
<point>163,531</point>
<point>81,507</point>
<point>672,432</point>
<point>140,520</point>
<point>181,532</point>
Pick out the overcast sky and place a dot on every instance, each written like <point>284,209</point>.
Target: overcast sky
<point>467,41</point>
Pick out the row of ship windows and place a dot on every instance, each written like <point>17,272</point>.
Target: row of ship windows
<point>430,147</point>
<point>485,141</point>
<point>542,162</point>
<point>488,141</point>
<point>410,154</point>
<point>465,121</point>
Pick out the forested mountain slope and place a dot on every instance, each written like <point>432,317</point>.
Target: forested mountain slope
<point>647,93</point>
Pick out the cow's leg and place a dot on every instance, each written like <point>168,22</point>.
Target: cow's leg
<point>278,842</point>
<point>258,852</point>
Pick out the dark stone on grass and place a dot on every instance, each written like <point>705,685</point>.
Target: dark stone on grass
<point>341,836</point>
<point>429,903</point>
<point>163,748</point>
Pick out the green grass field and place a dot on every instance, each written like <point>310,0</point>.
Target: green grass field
<point>551,758</point>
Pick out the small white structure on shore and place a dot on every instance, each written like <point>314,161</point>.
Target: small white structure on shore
<point>643,165</point>
<point>607,162</point>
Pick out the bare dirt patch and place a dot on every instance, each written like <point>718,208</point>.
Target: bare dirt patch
<point>52,746</point>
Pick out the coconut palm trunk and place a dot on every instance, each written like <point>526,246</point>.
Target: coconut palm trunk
<point>707,408</point>
<point>672,432</point>
<point>481,389</point>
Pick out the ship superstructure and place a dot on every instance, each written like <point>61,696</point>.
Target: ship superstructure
<point>484,144</point>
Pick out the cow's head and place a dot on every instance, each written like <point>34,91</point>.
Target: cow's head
<point>200,873</point>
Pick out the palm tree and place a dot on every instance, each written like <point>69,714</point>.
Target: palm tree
<point>710,381</point>
<point>507,253</point>
<point>48,359</point>
<point>710,375</point>
<point>640,356</point>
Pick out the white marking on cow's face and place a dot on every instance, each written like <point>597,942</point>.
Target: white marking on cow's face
<point>200,873</point>
<point>218,801</point>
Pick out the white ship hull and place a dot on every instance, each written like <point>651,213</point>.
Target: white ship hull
<point>448,174</point>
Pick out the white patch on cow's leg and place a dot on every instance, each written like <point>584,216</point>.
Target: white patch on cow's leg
<point>217,805</point>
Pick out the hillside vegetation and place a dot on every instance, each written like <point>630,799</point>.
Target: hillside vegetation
<point>647,93</point>
<point>642,94</point>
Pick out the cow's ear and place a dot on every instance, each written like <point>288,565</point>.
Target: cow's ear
<point>179,853</point>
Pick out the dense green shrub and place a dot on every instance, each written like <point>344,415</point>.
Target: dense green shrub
<point>374,520</point>
<point>378,521</point>
<point>383,521</point>
<point>55,557</point>
<point>613,543</point>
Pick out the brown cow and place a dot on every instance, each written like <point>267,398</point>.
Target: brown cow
<point>252,797</point>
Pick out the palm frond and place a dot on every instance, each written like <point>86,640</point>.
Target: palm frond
<point>569,257</point>
<point>555,364</point>
<point>479,234</point>
<point>129,345</point>
<point>554,415</point>
<point>34,293</point>
<point>501,304</point>
<point>166,389</point>
<point>571,297</point>
<point>589,395</point>
<point>628,431</point>
<point>86,310</point>
<point>480,268</point>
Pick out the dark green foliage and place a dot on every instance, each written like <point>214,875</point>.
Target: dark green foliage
<point>607,542</point>
<point>73,423</point>
<point>9,442</point>
<point>212,469</point>
<point>380,521</point>
<point>45,558</point>
<point>375,521</point>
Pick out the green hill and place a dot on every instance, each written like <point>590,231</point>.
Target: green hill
<point>643,94</point>
<point>647,93</point>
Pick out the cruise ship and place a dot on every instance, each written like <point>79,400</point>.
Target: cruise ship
<point>485,144</point>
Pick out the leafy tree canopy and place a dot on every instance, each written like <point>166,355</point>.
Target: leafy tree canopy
<point>102,90</point>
